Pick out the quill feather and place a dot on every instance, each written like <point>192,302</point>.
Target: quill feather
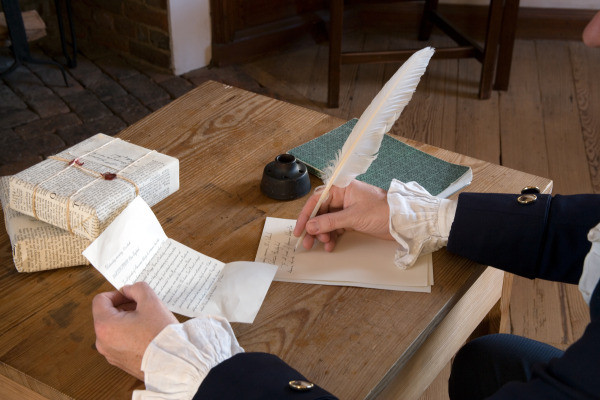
<point>362,145</point>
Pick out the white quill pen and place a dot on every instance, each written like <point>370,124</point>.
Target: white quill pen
<point>363,143</point>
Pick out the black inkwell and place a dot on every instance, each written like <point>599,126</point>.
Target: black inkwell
<point>285,178</point>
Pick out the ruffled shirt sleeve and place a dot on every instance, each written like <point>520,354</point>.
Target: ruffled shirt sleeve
<point>591,266</point>
<point>179,358</point>
<point>419,222</point>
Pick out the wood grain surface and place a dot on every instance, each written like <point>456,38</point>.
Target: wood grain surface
<point>297,75</point>
<point>352,341</point>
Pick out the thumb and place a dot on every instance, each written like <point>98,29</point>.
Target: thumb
<point>140,292</point>
<point>330,222</point>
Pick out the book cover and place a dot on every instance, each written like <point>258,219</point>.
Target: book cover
<point>396,160</point>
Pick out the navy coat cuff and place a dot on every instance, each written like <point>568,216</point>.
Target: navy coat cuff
<point>545,239</point>
<point>255,376</point>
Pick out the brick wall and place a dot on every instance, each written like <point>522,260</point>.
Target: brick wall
<point>139,28</point>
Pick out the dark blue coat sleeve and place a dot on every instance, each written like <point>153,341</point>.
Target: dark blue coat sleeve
<point>546,239</point>
<point>253,376</point>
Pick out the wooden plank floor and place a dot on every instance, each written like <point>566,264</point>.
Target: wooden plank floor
<point>548,124</point>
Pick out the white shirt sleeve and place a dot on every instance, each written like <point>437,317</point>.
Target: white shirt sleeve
<point>591,266</point>
<point>419,222</point>
<point>181,355</point>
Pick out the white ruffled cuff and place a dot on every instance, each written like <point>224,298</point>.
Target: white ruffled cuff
<point>419,222</point>
<point>179,358</point>
<point>591,266</point>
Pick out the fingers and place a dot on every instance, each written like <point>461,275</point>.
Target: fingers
<point>304,216</point>
<point>308,242</point>
<point>140,292</point>
<point>110,303</point>
<point>131,306</point>
<point>324,237</point>
<point>309,207</point>
<point>106,303</point>
<point>330,222</point>
<point>148,303</point>
<point>329,239</point>
<point>330,245</point>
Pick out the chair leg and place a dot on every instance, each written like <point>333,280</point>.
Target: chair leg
<point>426,24</point>
<point>18,37</point>
<point>336,9</point>
<point>507,42</point>
<point>492,38</point>
<point>71,58</point>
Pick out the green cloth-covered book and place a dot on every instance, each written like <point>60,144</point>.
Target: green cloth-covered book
<point>396,160</point>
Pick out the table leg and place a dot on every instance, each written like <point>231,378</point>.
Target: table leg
<point>505,303</point>
<point>438,349</point>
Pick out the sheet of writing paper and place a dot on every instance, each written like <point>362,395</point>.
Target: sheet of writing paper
<point>358,260</point>
<point>124,249</point>
<point>241,290</point>
<point>135,248</point>
<point>182,277</point>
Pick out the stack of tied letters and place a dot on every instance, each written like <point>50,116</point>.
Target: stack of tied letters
<point>54,209</point>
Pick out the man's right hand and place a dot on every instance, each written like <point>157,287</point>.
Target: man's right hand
<point>359,206</point>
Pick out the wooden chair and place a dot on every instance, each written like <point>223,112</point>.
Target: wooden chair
<point>495,55</point>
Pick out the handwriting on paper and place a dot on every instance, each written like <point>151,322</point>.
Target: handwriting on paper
<point>357,260</point>
<point>134,248</point>
<point>277,248</point>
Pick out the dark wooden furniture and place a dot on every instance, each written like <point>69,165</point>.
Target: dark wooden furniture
<point>20,47</point>
<point>245,29</point>
<point>495,55</point>
<point>18,37</point>
<point>70,55</point>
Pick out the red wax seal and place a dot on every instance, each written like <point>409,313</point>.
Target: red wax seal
<point>109,176</point>
<point>76,161</point>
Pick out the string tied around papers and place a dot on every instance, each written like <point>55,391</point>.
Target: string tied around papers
<point>155,174</point>
<point>78,163</point>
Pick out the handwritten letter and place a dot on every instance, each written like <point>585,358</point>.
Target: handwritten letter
<point>358,260</point>
<point>134,248</point>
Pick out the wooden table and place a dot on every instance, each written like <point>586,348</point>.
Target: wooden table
<point>358,343</point>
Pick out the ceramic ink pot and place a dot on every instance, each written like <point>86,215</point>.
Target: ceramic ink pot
<point>285,178</point>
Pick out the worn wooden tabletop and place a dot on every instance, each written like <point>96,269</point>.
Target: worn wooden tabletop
<point>356,342</point>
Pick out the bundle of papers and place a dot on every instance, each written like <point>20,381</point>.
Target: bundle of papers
<point>54,209</point>
<point>83,188</point>
<point>36,245</point>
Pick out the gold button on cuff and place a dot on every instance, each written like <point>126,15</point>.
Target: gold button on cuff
<point>527,198</point>
<point>301,386</point>
<point>530,190</point>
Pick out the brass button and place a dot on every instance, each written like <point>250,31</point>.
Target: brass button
<point>301,386</point>
<point>530,190</point>
<point>527,198</point>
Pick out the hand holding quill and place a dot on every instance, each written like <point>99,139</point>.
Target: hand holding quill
<point>362,145</point>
